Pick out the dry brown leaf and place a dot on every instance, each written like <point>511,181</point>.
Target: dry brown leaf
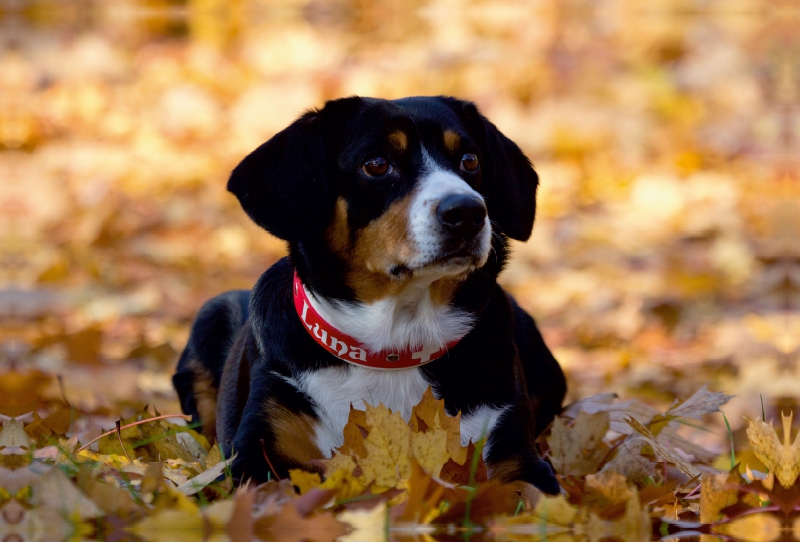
<point>112,500</point>
<point>240,527</point>
<point>635,525</point>
<point>422,505</point>
<point>717,491</point>
<point>52,489</point>
<point>607,488</point>
<point>289,526</point>
<point>782,458</point>
<point>629,461</point>
<point>698,405</point>
<point>21,391</point>
<point>354,433</point>
<point>13,438</point>
<point>662,452</point>
<point>490,499</point>
<point>459,474</point>
<point>579,450</point>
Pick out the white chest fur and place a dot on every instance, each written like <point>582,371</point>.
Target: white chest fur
<point>334,389</point>
<point>409,320</point>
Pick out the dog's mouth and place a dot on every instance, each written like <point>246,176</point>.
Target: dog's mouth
<point>464,257</point>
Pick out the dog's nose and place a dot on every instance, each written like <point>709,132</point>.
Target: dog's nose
<point>461,214</point>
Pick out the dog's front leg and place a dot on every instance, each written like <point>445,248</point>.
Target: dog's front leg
<point>276,432</point>
<point>511,449</point>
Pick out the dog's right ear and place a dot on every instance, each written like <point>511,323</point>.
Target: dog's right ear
<point>284,185</point>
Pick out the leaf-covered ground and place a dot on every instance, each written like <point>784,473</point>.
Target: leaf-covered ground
<point>664,262</point>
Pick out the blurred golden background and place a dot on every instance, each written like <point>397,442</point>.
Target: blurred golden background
<point>666,250</point>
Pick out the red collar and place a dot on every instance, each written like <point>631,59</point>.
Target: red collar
<point>348,349</point>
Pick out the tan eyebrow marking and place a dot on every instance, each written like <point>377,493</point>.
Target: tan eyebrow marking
<point>451,140</point>
<point>398,139</point>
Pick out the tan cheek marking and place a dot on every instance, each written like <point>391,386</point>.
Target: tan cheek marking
<point>293,432</point>
<point>381,245</point>
<point>451,140</point>
<point>399,140</point>
<point>338,235</point>
<point>205,397</point>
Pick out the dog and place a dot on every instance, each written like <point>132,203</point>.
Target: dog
<point>397,215</point>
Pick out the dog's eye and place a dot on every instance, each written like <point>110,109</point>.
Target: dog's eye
<point>469,162</point>
<point>376,167</point>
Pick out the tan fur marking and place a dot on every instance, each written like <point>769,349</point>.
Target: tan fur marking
<point>379,246</point>
<point>382,244</point>
<point>293,432</point>
<point>443,290</point>
<point>338,235</point>
<point>505,471</point>
<point>205,397</point>
<point>399,140</point>
<point>451,140</point>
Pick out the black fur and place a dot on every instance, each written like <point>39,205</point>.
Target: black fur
<point>289,186</point>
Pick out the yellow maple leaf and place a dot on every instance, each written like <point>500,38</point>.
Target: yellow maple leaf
<point>431,411</point>
<point>717,491</point>
<point>346,485</point>
<point>430,448</point>
<point>782,459</point>
<point>304,480</point>
<point>354,433</point>
<point>388,446</point>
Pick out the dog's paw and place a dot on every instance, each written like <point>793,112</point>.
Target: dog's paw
<point>541,475</point>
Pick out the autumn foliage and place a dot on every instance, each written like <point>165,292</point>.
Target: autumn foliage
<point>663,264</point>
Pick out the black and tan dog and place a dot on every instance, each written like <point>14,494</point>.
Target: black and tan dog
<point>397,215</point>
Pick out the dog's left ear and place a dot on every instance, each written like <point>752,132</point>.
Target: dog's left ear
<point>509,180</point>
<point>286,185</point>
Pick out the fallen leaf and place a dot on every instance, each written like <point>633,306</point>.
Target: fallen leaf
<point>579,450</point>
<point>354,433</point>
<point>388,446</point>
<point>662,452</point>
<point>209,475</point>
<point>422,505</point>
<point>289,526</point>
<point>170,525</point>
<point>752,528</point>
<point>717,491</point>
<point>365,524</point>
<point>461,474</point>
<point>606,488</point>
<point>304,480</point>
<point>698,405</point>
<point>782,459</point>
<point>431,411</point>
<point>52,489</point>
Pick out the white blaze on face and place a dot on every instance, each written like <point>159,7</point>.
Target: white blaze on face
<point>425,231</point>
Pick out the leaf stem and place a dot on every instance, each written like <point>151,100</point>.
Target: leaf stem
<point>134,424</point>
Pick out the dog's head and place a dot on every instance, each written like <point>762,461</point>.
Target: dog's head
<point>396,190</point>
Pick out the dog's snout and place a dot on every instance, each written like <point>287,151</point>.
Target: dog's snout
<point>462,214</point>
